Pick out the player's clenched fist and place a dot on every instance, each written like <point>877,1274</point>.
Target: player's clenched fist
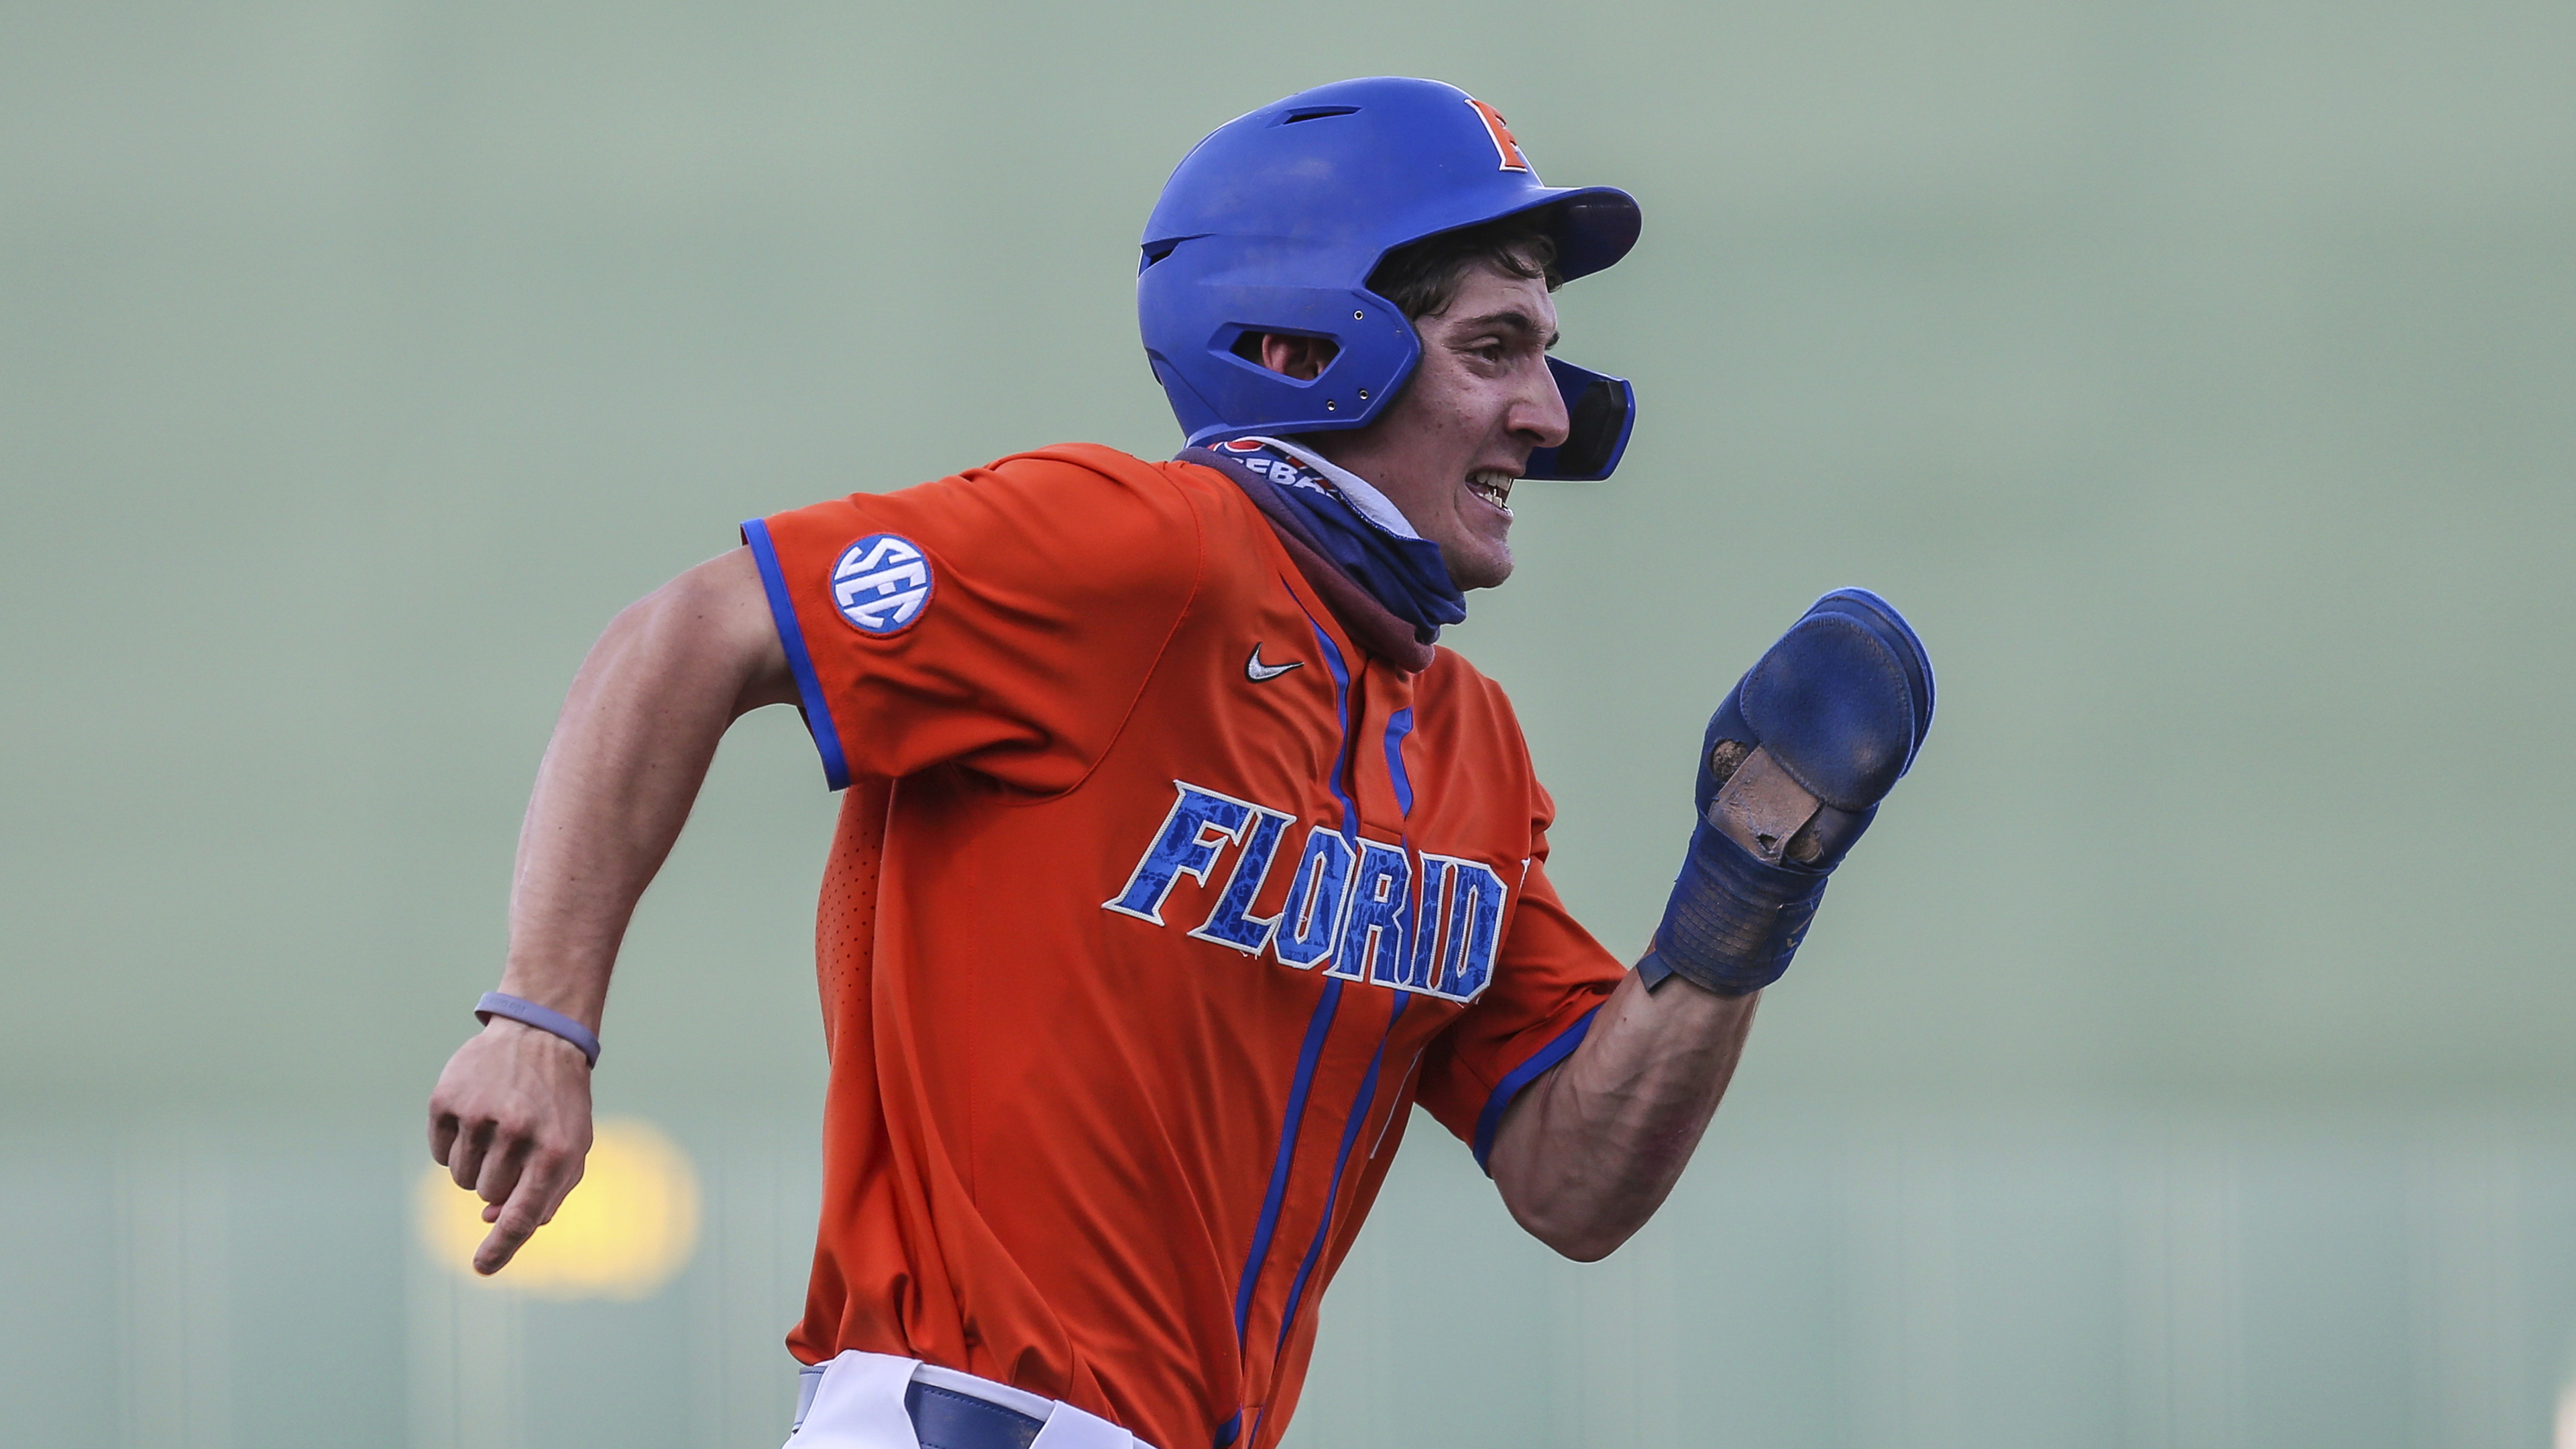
<point>1790,773</point>
<point>510,1120</point>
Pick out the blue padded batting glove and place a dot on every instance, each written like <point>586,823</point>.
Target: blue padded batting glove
<point>1790,773</point>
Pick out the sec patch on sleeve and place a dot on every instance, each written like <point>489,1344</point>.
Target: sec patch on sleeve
<point>881,584</point>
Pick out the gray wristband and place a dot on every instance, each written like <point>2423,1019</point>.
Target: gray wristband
<point>528,1013</point>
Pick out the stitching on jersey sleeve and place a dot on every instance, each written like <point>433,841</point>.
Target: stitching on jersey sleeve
<point>1198,583</point>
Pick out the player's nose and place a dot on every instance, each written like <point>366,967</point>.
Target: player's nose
<point>1538,409</point>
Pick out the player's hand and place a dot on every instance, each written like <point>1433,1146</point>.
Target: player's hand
<point>1790,773</point>
<point>510,1120</point>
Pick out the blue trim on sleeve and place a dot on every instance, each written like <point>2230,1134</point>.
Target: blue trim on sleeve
<point>809,686</point>
<point>1398,725</point>
<point>1521,1076</point>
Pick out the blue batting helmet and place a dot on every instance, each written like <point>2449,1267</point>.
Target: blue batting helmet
<point>1274,222</point>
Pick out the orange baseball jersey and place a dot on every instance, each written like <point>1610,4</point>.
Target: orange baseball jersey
<point>1154,905</point>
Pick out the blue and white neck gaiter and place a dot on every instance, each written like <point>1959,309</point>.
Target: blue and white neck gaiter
<point>1359,530</point>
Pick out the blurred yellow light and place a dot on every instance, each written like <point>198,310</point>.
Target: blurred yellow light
<point>626,1229</point>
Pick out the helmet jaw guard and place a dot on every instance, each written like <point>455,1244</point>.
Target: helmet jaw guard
<point>1275,221</point>
<point>1600,411</point>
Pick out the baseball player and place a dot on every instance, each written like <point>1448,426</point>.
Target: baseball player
<point>1176,862</point>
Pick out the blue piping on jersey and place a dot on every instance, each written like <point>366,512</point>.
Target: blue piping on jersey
<point>1398,725</point>
<point>1317,1030</point>
<point>1341,706</point>
<point>809,686</point>
<point>1521,1076</point>
<point>1226,1431</point>
<point>1332,1195</point>
<point>1318,1027</point>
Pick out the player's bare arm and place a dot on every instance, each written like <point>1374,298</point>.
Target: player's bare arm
<point>1591,1150</point>
<point>1791,771</point>
<point>510,1117</point>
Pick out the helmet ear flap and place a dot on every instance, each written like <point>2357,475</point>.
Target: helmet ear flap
<point>1202,298</point>
<point>1600,412</point>
<point>1363,374</point>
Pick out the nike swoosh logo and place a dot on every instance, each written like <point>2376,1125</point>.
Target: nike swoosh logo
<point>1256,671</point>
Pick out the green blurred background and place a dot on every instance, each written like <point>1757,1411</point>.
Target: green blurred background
<point>2184,1061</point>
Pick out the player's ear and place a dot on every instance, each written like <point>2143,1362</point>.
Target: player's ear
<point>1299,357</point>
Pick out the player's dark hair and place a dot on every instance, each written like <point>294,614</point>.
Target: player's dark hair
<point>1423,279</point>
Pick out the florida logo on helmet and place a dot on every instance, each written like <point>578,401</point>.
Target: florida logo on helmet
<point>1504,145</point>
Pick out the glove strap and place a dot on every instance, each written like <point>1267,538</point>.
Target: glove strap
<point>543,1018</point>
<point>1732,922</point>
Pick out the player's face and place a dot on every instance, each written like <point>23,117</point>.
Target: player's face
<point>1449,448</point>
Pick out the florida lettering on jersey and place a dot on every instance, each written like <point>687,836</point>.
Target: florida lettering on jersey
<point>1362,910</point>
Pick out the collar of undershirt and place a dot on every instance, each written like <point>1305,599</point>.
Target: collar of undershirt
<point>1369,623</point>
<point>1358,492</point>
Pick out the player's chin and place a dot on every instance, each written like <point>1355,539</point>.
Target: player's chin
<point>1487,563</point>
